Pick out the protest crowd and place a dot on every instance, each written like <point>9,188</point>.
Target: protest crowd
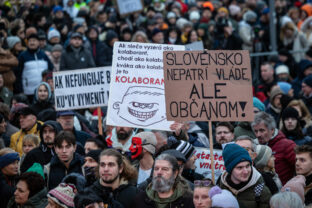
<point>62,159</point>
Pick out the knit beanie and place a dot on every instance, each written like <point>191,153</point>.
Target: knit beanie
<point>149,141</point>
<point>57,47</point>
<point>63,195</point>
<point>234,9</point>
<point>258,104</point>
<point>37,168</point>
<point>281,69</point>
<point>184,147</point>
<point>264,154</point>
<point>290,112</point>
<point>233,154</point>
<point>308,80</point>
<point>297,185</point>
<point>175,153</point>
<point>284,86</point>
<point>75,179</point>
<point>12,41</point>
<point>53,33</point>
<point>249,16</point>
<point>194,15</point>
<point>94,154</point>
<point>223,9</point>
<point>276,91</point>
<point>222,198</point>
<point>85,198</point>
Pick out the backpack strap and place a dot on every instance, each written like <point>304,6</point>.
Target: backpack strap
<point>258,189</point>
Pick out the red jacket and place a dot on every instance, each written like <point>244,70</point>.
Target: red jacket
<point>285,157</point>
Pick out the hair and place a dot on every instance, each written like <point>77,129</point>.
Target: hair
<point>5,110</point>
<point>286,200</point>
<point>66,136</point>
<point>269,64</point>
<point>245,137</point>
<point>129,172</point>
<point>304,109</point>
<point>31,138</point>
<point>287,26</point>
<point>265,118</point>
<point>304,149</point>
<point>34,181</point>
<point>140,33</point>
<point>172,161</point>
<point>97,141</point>
<point>5,151</point>
<point>21,98</point>
<point>226,124</point>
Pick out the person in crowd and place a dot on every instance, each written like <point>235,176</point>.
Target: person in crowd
<point>267,80</point>
<point>66,119</point>
<point>224,134</point>
<point>222,198</point>
<point>201,198</point>
<point>7,129</point>
<point>55,56</point>
<point>62,196</point>
<point>111,38</point>
<point>143,149</point>
<point>304,70</point>
<point>264,127</point>
<point>30,142</point>
<point>116,176</point>
<point>121,138</point>
<point>3,137</point>
<point>274,108</point>
<point>292,126</point>
<point>8,175</point>
<point>30,192</point>
<point>286,199</point>
<point>282,73</point>
<point>31,63</point>
<point>45,151</point>
<point>93,144</point>
<point>97,47</point>
<point>5,94</point>
<point>297,185</point>
<point>65,161</point>
<point>75,55</point>
<point>248,144</point>
<point>307,92</point>
<point>28,124</point>
<point>304,167</point>
<point>91,165</point>
<point>166,186</point>
<point>43,98</point>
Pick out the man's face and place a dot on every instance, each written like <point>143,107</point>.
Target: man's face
<point>290,123</point>
<point>65,152</point>
<point>123,133</point>
<point>158,38</point>
<point>263,133</point>
<point>3,126</point>
<point>241,172</point>
<point>136,147</point>
<point>303,164</point>
<point>90,162</point>
<point>306,89</point>
<point>76,42</point>
<point>163,176</point>
<point>277,101</point>
<point>201,198</point>
<point>90,146</point>
<point>33,44</point>
<point>224,135</point>
<point>27,121</point>
<point>67,122</point>
<point>109,169</point>
<point>266,73</point>
<point>59,14</point>
<point>48,134</point>
<point>247,145</point>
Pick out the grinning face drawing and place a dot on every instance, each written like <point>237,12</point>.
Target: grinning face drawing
<point>142,106</point>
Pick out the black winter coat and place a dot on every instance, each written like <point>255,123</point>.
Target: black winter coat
<point>6,190</point>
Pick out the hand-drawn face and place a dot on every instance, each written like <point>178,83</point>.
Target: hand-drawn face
<point>136,147</point>
<point>142,105</point>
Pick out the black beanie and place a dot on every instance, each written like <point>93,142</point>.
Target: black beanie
<point>290,112</point>
<point>94,154</point>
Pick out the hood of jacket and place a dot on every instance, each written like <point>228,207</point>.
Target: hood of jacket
<point>55,125</point>
<point>36,98</point>
<point>254,178</point>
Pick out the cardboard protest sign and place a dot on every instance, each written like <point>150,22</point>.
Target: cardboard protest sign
<point>211,86</point>
<point>129,6</point>
<point>137,96</point>
<point>84,88</point>
<point>203,162</point>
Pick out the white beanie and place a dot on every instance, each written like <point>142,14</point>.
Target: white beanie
<point>53,33</point>
<point>194,15</point>
<point>222,198</point>
<point>281,69</point>
<point>12,41</point>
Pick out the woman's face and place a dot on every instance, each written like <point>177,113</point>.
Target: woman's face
<point>201,198</point>
<point>22,192</point>
<point>11,169</point>
<point>28,146</point>
<point>271,162</point>
<point>43,93</point>
<point>194,36</point>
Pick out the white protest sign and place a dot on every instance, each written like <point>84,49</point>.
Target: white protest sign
<point>137,96</point>
<point>83,88</point>
<point>203,162</point>
<point>129,6</point>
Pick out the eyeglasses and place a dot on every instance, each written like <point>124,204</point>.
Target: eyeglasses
<point>203,183</point>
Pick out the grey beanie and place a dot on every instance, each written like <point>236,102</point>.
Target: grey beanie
<point>57,47</point>
<point>12,41</point>
<point>264,154</point>
<point>249,16</point>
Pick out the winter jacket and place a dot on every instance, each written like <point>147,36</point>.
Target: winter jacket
<point>124,194</point>
<point>181,198</point>
<point>39,200</point>
<point>244,128</point>
<point>7,189</point>
<point>247,34</point>
<point>30,67</point>
<point>246,196</point>
<point>308,102</point>
<point>7,62</point>
<point>308,190</point>
<point>41,154</point>
<point>82,61</point>
<point>285,157</point>
<point>17,139</point>
<point>97,51</point>
<point>55,171</point>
